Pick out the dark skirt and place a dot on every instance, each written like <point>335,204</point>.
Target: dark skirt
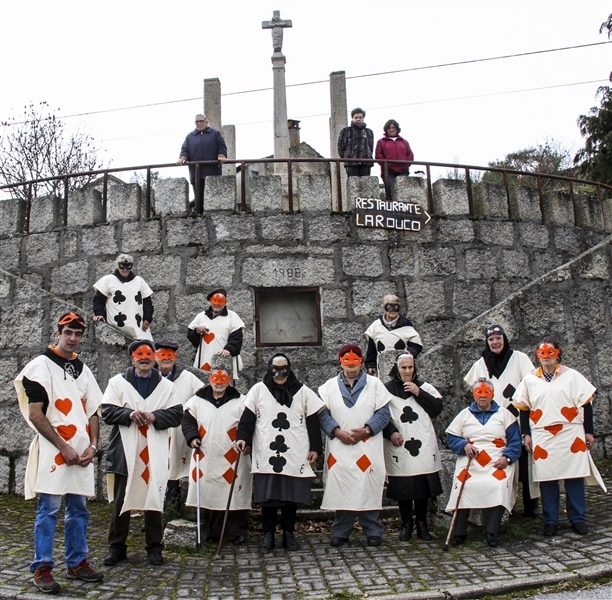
<point>237,523</point>
<point>276,490</point>
<point>417,487</point>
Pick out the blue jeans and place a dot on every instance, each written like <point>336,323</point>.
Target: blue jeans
<point>574,501</point>
<point>368,519</point>
<point>389,179</point>
<point>76,519</point>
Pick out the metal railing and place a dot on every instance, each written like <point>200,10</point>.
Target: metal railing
<point>520,178</point>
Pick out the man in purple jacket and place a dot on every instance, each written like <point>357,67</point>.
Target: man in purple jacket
<point>204,143</point>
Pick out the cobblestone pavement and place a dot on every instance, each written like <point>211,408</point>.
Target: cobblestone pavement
<point>413,569</point>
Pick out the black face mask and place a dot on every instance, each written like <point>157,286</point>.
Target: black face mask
<point>126,265</point>
<point>392,307</point>
<point>282,371</point>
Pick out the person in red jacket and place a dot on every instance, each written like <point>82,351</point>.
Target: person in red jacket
<point>393,147</point>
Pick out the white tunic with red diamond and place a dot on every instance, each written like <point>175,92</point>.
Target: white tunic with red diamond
<point>354,475</point>
<point>145,448</point>
<point>486,486</point>
<point>217,429</point>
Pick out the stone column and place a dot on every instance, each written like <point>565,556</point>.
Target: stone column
<point>229,135</point>
<point>337,121</point>
<point>212,102</point>
<point>281,129</point>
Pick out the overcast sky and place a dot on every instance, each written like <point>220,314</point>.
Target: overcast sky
<point>84,56</point>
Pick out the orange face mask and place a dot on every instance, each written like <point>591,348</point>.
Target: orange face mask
<point>219,378</point>
<point>143,351</point>
<point>547,351</point>
<point>218,300</point>
<point>350,359</point>
<point>482,390</point>
<point>70,317</point>
<point>165,354</point>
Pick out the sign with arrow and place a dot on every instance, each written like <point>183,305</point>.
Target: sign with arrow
<point>390,214</point>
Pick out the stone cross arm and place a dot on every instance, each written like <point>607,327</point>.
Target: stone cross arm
<point>276,25</point>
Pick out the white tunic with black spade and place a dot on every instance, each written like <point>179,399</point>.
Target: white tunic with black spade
<point>354,474</point>
<point>486,486</point>
<point>389,339</point>
<point>71,404</point>
<point>556,418</point>
<point>145,447</point>
<point>280,442</point>
<point>419,454</point>
<point>217,428</point>
<point>124,304</point>
<point>518,366</point>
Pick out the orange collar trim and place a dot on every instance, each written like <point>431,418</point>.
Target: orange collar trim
<point>54,350</point>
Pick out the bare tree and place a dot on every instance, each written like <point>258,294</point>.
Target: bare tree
<point>38,146</point>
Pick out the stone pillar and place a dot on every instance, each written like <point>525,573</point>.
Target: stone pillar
<point>229,135</point>
<point>212,102</point>
<point>281,128</point>
<point>337,121</point>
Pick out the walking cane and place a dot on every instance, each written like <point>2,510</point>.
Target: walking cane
<point>452,525</point>
<point>198,535</point>
<point>229,501</point>
<point>200,353</point>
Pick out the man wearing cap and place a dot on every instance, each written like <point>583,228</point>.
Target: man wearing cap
<point>59,399</point>
<point>357,412</point>
<point>124,300</point>
<point>505,368</point>
<point>217,331</point>
<point>391,331</point>
<point>186,384</point>
<point>142,407</point>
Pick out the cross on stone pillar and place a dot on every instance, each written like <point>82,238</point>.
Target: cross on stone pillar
<point>281,129</point>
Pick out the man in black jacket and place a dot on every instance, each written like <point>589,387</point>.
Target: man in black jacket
<point>356,141</point>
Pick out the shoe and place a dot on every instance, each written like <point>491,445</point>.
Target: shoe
<point>84,572</point>
<point>422,531</point>
<point>550,529</point>
<point>532,514</point>
<point>338,541</point>
<point>114,557</point>
<point>156,558</point>
<point>44,581</point>
<point>458,540</point>
<point>580,527</point>
<point>239,540</point>
<point>406,533</point>
<point>374,540</point>
<point>289,541</point>
<point>492,540</point>
<point>267,545</point>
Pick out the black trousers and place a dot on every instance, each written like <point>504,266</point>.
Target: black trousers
<point>420,510</point>
<point>492,519</point>
<point>358,170</point>
<point>199,194</point>
<point>237,523</point>
<point>120,523</point>
<point>287,521</point>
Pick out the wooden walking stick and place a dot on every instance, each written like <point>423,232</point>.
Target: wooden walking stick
<point>198,534</point>
<point>452,525</point>
<point>229,501</point>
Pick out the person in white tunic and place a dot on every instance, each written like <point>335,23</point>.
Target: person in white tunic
<point>391,331</point>
<point>280,423</point>
<point>186,384</point>
<point>489,435</point>
<point>59,398</point>
<point>557,422</point>
<point>412,457</point>
<point>217,331</point>
<point>354,473</point>
<point>210,425</point>
<point>506,367</point>
<point>142,407</point>
<point>124,300</point>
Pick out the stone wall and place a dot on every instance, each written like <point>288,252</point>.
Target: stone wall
<point>537,267</point>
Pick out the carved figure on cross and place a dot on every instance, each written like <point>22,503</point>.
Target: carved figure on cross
<point>276,25</point>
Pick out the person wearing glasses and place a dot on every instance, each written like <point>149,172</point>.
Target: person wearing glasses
<point>203,143</point>
<point>124,300</point>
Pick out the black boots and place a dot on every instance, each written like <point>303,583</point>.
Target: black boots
<point>267,545</point>
<point>406,532</point>
<point>422,531</point>
<point>289,541</point>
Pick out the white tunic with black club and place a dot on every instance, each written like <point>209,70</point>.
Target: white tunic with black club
<point>419,454</point>
<point>486,486</point>
<point>280,442</point>
<point>217,430</point>
<point>145,447</point>
<point>71,404</point>
<point>214,341</point>
<point>518,366</point>
<point>354,475</point>
<point>185,386</point>
<point>556,416</point>
<point>124,304</point>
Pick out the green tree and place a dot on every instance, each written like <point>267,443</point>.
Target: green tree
<point>39,145</point>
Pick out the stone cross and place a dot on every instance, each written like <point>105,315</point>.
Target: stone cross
<point>276,25</point>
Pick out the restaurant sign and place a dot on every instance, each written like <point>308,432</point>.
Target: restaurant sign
<point>390,214</point>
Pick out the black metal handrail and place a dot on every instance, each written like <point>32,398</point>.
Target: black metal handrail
<point>337,162</point>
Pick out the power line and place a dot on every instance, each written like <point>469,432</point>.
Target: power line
<point>266,89</point>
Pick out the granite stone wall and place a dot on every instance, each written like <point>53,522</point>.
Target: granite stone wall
<point>535,265</point>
